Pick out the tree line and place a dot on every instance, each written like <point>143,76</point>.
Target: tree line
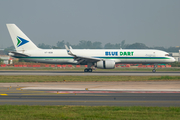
<point>98,45</point>
<point>83,44</point>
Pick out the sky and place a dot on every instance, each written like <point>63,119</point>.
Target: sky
<point>152,22</point>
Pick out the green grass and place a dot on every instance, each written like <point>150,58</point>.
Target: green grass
<point>34,78</point>
<point>165,78</point>
<point>24,112</point>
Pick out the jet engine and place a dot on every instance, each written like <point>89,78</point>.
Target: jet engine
<point>106,64</point>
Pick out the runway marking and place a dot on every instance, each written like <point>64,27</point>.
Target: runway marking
<point>18,88</point>
<point>65,94</point>
<point>27,92</point>
<point>3,94</point>
<point>90,94</point>
<point>44,94</point>
<point>112,92</point>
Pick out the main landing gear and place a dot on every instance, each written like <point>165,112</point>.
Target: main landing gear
<point>154,70</point>
<point>88,70</point>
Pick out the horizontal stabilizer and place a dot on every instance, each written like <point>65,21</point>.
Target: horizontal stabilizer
<point>16,54</point>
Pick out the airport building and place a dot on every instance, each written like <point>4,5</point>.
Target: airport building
<point>176,56</point>
<point>5,58</point>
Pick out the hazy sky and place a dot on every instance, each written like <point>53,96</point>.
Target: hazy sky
<point>152,22</point>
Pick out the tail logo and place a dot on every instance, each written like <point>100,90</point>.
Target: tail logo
<point>21,41</point>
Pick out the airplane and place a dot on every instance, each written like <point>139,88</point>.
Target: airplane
<point>99,58</point>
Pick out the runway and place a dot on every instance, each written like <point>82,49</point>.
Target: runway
<point>120,99</point>
<point>94,73</point>
<point>19,96</point>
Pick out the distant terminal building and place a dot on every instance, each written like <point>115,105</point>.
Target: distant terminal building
<point>176,56</point>
<point>2,52</point>
<point>4,57</point>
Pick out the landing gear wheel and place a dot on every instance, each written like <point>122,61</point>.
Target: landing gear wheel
<point>88,70</point>
<point>153,70</point>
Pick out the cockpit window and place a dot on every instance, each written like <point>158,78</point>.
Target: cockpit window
<point>166,54</point>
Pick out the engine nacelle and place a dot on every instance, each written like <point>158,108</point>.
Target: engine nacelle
<point>107,64</point>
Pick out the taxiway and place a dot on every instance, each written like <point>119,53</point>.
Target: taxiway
<point>81,73</point>
<point>162,93</point>
<point>116,99</point>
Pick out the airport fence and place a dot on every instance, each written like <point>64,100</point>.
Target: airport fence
<point>79,66</point>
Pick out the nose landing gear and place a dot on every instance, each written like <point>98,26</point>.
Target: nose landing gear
<point>154,70</point>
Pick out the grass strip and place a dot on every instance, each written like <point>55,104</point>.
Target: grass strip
<point>165,78</point>
<point>24,112</point>
<point>34,78</point>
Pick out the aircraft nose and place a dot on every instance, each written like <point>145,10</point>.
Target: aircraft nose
<point>173,59</point>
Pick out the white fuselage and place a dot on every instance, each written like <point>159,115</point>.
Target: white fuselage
<point>60,56</point>
<point>100,58</point>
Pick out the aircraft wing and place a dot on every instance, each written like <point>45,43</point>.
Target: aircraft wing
<point>81,59</point>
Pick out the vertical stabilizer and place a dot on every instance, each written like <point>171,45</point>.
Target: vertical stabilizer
<point>20,40</point>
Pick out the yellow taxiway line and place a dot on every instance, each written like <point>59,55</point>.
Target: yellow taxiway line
<point>3,94</point>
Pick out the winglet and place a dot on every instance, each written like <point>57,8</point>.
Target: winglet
<point>70,47</point>
<point>68,50</point>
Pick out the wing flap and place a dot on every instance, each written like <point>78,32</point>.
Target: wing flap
<point>81,59</point>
